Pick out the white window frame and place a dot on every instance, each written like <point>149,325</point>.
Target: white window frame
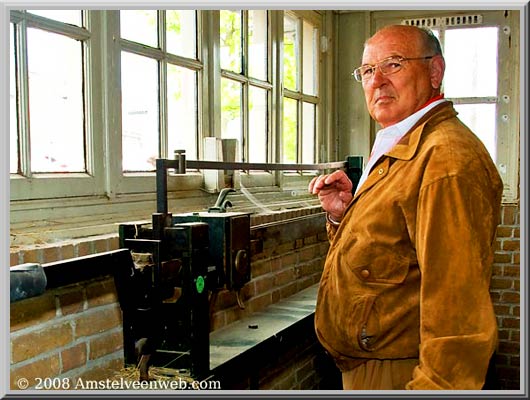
<point>316,20</point>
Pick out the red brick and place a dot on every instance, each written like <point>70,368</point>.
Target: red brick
<point>72,302</point>
<point>90,323</point>
<point>516,232</point>
<point>517,258</point>
<point>51,254</point>
<point>512,271</point>
<point>114,243</point>
<point>509,215</point>
<point>504,334</point>
<point>100,245</point>
<point>310,240</point>
<point>259,268</point>
<point>66,251</point>
<point>495,296</point>
<point>14,258</point>
<point>283,248</point>
<point>298,243</point>
<point>511,323</point>
<point>101,293</point>
<point>510,245</point>
<point>100,372</point>
<point>501,283</point>
<point>501,309</point>
<point>82,249</point>
<point>47,367</point>
<point>504,231</point>
<point>74,357</point>
<point>496,270</point>
<point>32,311</point>
<point>515,361</point>
<point>32,256</point>
<point>284,276</point>
<point>289,260</point>
<point>307,253</point>
<point>516,311</point>
<point>509,347</point>
<point>32,344</point>
<point>288,290</point>
<point>502,258</point>
<point>106,344</point>
<point>510,297</point>
<point>263,284</point>
<point>259,303</point>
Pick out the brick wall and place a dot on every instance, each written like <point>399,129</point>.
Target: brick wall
<point>505,293</point>
<point>75,331</point>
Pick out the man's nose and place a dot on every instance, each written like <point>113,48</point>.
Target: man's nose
<point>377,78</point>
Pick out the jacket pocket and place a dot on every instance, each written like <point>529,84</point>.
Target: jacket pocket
<point>339,324</point>
<point>368,326</point>
<point>386,269</point>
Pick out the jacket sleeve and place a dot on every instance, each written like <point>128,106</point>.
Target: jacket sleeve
<point>456,225</point>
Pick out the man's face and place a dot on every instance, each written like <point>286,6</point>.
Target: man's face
<point>392,98</point>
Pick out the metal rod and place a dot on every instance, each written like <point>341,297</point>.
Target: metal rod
<point>244,166</point>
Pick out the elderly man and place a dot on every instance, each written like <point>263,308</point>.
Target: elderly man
<point>404,296</point>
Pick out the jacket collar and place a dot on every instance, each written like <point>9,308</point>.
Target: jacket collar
<point>406,148</point>
<point>408,144</point>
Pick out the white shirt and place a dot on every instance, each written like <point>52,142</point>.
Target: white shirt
<point>387,138</point>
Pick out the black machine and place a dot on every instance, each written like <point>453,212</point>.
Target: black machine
<point>178,260</point>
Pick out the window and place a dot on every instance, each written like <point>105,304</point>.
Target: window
<point>246,88</point>
<point>159,82</point>
<point>97,95</point>
<point>49,135</point>
<point>301,97</point>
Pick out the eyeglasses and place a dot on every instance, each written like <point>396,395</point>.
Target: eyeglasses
<point>388,66</point>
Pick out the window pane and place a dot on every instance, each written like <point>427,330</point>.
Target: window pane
<point>139,26</point>
<point>257,44</point>
<point>182,110</point>
<point>181,30</point>
<point>290,122</point>
<point>139,83</point>
<point>55,102</point>
<point>67,16</point>
<point>290,52</point>
<point>480,118</point>
<point>13,140</point>
<point>310,55</point>
<point>231,45</point>
<point>231,112</point>
<point>257,125</point>
<point>308,133</point>
<point>471,62</point>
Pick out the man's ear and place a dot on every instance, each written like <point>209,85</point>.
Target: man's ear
<point>437,71</point>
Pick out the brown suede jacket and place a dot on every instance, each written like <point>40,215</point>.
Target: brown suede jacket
<point>409,267</point>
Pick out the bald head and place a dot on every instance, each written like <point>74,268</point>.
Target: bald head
<point>424,39</point>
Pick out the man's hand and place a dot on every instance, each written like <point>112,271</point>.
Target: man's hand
<point>334,192</point>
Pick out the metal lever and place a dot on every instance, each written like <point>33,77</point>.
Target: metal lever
<point>221,203</point>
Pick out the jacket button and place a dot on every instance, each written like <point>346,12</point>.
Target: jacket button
<point>381,170</point>
<point>365,273</point>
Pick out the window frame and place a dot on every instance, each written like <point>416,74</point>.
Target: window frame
<point>301,98</point>
<point>27,185</point>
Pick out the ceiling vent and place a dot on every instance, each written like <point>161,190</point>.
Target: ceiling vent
<point>450,20</point>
